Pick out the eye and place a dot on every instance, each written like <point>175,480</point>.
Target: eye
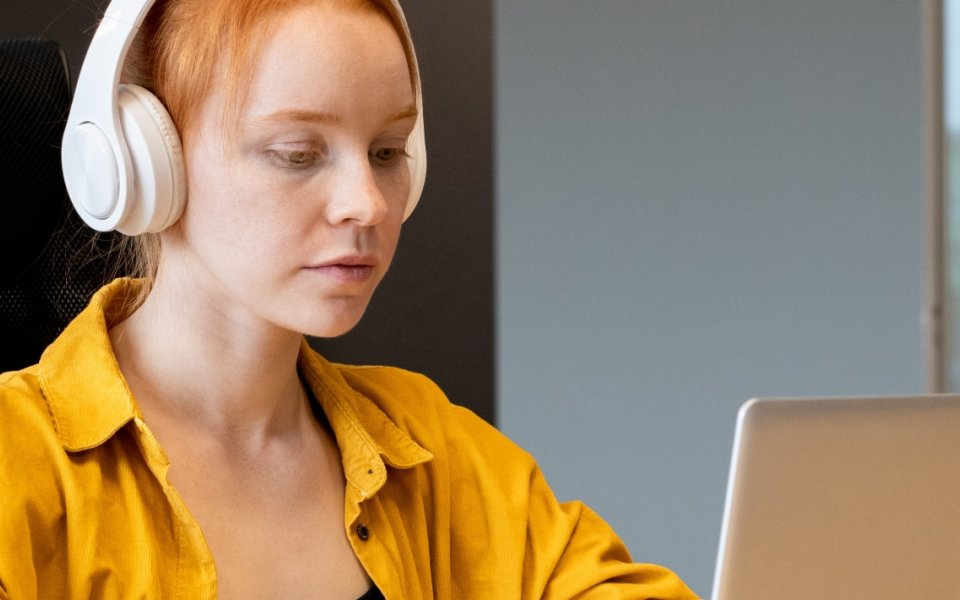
<point>294,158</point>
<point>300,158</point>
<point>387,156</point>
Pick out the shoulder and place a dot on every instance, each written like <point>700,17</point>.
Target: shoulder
<point>411,396</point>
<point>31,457</point>
<point>400,409</point>
<point>23,409</point>
<point>454,434</point>
<point>28,436</point>
<point>384,382</point>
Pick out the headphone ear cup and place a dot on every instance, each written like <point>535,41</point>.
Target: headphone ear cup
<point>159,176</point>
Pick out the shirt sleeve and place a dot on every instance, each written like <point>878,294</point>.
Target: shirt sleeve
<point>29,498</point>
<point>576,554</point>
<point>564,550</point>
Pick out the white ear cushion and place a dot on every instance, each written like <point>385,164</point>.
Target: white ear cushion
<point>159,179</point>
<point>417,162</point>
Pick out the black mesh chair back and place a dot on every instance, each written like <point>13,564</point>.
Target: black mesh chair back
<point>50,263</point>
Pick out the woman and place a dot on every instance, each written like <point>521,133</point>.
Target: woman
<point>180,439</point>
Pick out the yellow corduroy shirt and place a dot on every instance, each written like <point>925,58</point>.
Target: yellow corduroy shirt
<point>438,503</point>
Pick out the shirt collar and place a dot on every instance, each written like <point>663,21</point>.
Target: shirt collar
<point>89,398</point>
<point>368,439</point>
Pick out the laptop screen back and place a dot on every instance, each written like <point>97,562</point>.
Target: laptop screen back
<point>843,498</point>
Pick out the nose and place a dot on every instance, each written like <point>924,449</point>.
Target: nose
<point>355,196</point>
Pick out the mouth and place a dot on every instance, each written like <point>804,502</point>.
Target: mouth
<point>347,269</point>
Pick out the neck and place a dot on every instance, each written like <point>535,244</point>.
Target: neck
<point>186,358</point>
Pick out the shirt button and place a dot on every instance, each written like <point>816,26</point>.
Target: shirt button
<point>362,532</point>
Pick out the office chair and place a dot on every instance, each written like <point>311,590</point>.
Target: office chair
<point>50,263</point>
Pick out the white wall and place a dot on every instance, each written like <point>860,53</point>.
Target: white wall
<point>698,201</point>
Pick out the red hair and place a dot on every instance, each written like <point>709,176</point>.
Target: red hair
<point>183,45</point>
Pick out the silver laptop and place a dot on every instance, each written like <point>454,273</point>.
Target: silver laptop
<point>843,498</point>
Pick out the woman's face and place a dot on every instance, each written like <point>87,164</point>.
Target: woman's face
<point>292,217</point>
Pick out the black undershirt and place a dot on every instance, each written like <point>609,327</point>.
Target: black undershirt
<point>373,594</point>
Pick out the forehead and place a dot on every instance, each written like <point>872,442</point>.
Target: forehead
<point>328,48</point>
<point>346,58</point>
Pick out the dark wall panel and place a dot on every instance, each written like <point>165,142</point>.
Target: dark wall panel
<point>434,311</point>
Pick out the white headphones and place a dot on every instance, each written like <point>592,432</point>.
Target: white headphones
<point>121,155</point>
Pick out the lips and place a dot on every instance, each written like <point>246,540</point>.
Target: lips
<point>348,269</point>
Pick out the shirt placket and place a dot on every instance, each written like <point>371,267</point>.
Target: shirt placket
<point>196,577</point>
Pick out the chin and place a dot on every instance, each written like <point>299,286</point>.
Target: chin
<point>329,332</point>
<point>332,326</point>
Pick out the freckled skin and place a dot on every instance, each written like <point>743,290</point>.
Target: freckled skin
<point>292,193</point>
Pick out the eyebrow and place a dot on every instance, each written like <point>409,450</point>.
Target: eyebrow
<point>313,116</point>
<point>407,113</point>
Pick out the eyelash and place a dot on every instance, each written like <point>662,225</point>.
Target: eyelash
<point>299,160</point>
<point>296,160</point>
<point>398,155</point>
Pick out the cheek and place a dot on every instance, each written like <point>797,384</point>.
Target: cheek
<point>389,234</point>
<point>395,187</point>
<point>228,198</point>
<point>226,220</point>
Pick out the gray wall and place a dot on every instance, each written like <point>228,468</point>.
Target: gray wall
<point>698,202</point>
